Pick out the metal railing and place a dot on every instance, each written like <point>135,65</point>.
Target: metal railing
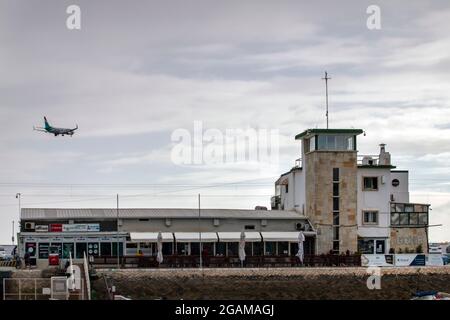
<point>34,289</point>
<point>182,261</point>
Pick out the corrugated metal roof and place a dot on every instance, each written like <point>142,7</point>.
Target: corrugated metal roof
<point>49,214</point>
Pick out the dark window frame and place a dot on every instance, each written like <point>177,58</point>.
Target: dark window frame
<point>364,188</point>
<point>377,215</point>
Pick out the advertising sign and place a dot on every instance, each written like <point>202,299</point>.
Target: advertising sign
<point>434,259</point>
<point>56,227</point>
<point>41,228</point>
<point>89,227</point>
<point>403,260</point>
<point>377,260</point>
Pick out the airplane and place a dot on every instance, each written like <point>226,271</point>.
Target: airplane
<point>56,131</point>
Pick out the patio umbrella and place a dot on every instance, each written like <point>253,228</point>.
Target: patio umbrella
<point>159,256</point>
<point>242,248</point>
<point>301,239</point>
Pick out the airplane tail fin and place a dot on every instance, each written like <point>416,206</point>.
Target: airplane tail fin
<point>47,126</point>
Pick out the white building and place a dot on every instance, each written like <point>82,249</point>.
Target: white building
<point>380,189</point>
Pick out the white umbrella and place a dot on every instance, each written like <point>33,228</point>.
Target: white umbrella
<point>242,247</point>
<point>301,239</point>
<point>159,256</point>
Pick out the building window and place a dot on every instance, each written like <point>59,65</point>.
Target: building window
<point>195,248</point>
<point>271,248</point>
<point>380,246</point>
<point>80,249</point>
<point>335,189</point>
<point>335,233</point>
<point>221,248</point>
<point>335,218</point>
<point>249,227</point>
<point>336,210</point>
<point>287,188</point>
<point>335,174</point>
<point>114,249</point>
<point>167,248</point>
<point>105,249</point>
<point>232,248</point>
<point>283,248</point>
<point>336,246</point>
<point>405,214</point>
<point>335,204</point>
<point>258,248</point>
<point>336,142</point>
<point>183,248</point>
<point>68,250</point>
<point>370,183</point>
<point>370,217</point>
<point>43,250</point>
<point>366,246</point>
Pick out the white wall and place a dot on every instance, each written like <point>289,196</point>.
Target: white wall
<point>401,193</point>
<point>295,198</point>
<point>374,200</point>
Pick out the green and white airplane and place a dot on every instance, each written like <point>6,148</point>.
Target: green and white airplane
<point>56,131</point>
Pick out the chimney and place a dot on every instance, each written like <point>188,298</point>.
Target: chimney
<point>385,157</point>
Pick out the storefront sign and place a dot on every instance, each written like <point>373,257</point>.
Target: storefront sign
<point>56,227</point>
<point>377,260</point>
<point>41,228</point>
<point>403,260</point>
<point>92,227</point>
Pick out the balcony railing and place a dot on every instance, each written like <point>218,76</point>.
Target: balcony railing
<point>368,160</point>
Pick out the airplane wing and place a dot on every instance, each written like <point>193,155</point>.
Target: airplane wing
<point>39,129</point>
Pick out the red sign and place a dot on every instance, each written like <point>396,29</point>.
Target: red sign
<point>56,227</point>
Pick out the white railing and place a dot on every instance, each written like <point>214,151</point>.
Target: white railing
<point>368,159</point>
<point>86,276</point>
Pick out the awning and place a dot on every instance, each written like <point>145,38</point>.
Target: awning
<point>195,237</point>
<point>150,236</point>
<point>281,236</point>
<point>236,236</point>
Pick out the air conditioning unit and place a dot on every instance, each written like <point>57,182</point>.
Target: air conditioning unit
<point>29,226</point>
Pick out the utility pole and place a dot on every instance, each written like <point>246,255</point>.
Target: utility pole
<point>117,235</point>
<point>326,92</point>
<point>200,233</point>
<point>18,195</point>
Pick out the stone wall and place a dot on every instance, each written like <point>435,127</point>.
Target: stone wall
<point>276,283</point>
<point>409,238</point>
<point>319,197</point>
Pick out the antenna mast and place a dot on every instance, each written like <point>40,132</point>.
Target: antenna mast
<point>326,90</point>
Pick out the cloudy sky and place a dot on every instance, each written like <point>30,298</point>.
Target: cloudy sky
<point>136,73</point>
